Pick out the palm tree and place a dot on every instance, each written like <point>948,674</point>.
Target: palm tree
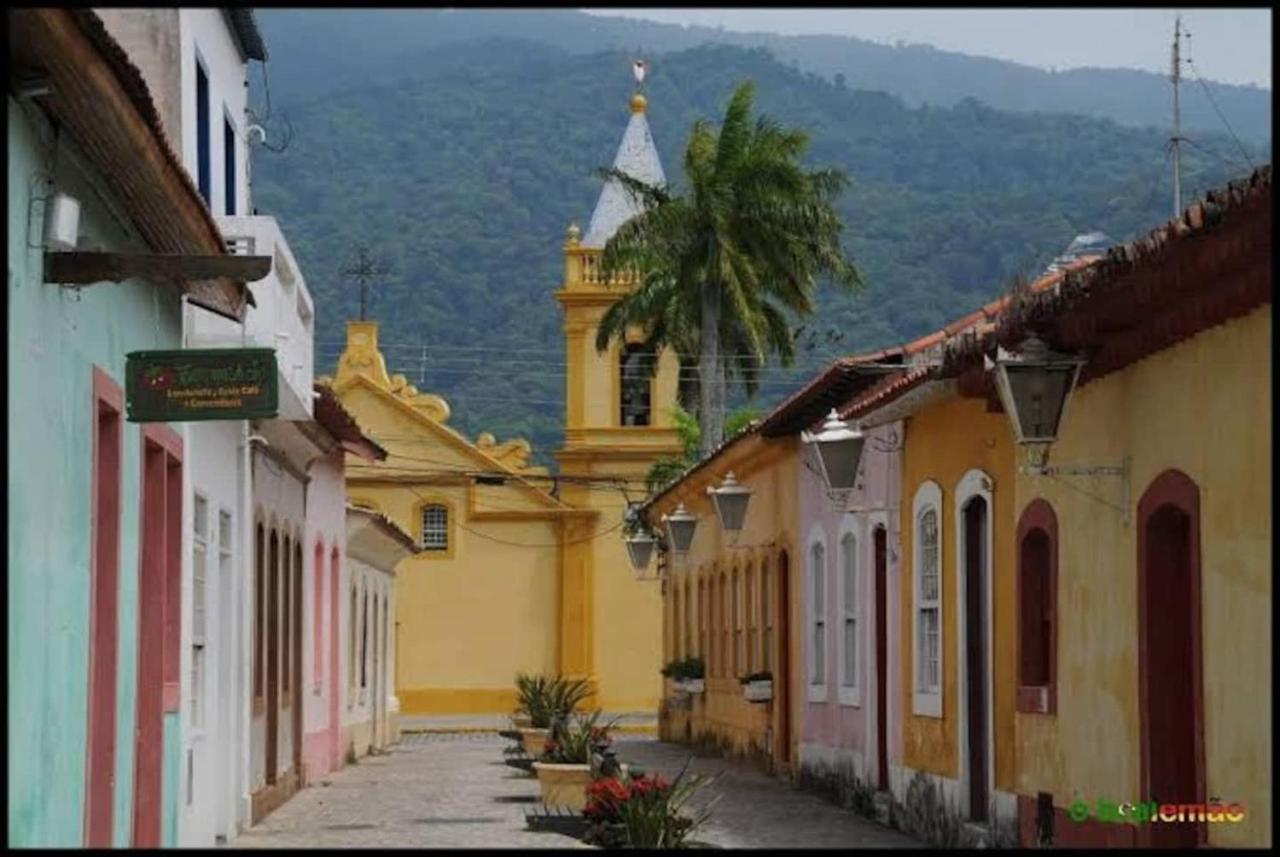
<point>724,265</point>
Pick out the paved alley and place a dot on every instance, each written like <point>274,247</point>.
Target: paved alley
<point>452,790</point>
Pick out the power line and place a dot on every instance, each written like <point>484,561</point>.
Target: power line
<point>1213,101</point>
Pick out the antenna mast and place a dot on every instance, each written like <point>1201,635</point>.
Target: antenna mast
<point>1175,75</point>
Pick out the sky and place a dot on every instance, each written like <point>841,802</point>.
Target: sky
<point>1228,45</point>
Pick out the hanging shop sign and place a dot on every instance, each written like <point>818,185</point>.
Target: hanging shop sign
<point>201,384</point>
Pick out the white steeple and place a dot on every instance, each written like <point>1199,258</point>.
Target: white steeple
<point>638,158</point>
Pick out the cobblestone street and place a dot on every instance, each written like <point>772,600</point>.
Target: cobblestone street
<point>452,790</point>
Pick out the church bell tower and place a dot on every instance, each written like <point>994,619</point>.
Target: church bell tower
<point>617,424</point>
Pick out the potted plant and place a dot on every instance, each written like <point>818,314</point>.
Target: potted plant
<point>643,811</point>
<point>564,768</point>
<point>528,689</point>
<point>757,687</point>
<point>555,699</point>
<point>688,674</point>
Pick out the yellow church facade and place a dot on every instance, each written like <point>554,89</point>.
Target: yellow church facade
<point>517,571</point>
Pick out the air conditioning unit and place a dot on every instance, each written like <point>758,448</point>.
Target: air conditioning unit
<point>62,222</point>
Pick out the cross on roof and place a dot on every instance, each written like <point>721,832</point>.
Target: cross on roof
<point>362,270</point>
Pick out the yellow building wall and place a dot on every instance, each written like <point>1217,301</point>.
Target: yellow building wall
<point>944,441</point>
<point>1202,407</point>
<point>720,712</point>
<point>471,617</point>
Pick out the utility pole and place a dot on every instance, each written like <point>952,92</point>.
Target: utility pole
<point>1175,75</point>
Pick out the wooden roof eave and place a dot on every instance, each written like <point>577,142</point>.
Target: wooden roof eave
<point>89,100</point>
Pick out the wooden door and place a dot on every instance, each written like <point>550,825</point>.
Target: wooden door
<point>1170,697</point>
<point>975,530</point>
<point>273,657</point>
<point>159,608</point>
<point>782,681</point>
<point>882,661</point>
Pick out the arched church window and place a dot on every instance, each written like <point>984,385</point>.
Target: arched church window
<point>635,377</point>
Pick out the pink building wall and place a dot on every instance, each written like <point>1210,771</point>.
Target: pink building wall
<point>839,735</point>
<point>326,533</point>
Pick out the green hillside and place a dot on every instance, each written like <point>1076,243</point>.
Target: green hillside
<point>463,168</point>
<point>315,52</point>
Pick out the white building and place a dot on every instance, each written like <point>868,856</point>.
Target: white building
<point>249,584</point>
<point>195,64</point>
<point>374,546</point>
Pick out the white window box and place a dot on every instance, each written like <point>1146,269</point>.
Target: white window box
<point>758,691</point>
<point>692,685</point>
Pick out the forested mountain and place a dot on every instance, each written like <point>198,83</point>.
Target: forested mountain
<point>462,167</point>
<point>313,52</point>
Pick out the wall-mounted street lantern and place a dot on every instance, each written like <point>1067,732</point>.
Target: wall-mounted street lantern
<point>640,550</point>
<point>730,501</point>
<point>1034,384</point>
<point>680,528</point>
<point>839,447</point>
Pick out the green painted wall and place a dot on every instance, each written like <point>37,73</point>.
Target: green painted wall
<point>54,339</point>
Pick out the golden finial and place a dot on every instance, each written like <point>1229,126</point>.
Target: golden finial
<point>639,68</point>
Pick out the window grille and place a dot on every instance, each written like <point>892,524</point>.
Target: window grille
<point>927,677</point>
<point>435,527</point>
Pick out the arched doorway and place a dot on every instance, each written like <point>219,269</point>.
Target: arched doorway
<point>974,558</point>
<point>1170,687</point>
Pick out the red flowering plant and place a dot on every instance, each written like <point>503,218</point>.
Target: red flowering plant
<point>643,811</point>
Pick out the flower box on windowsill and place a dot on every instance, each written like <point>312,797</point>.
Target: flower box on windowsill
<point>758,691</point>
<point>691,685</point>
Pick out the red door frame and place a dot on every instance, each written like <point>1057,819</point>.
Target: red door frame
<point>335,684</point>
<point>1177,489</point>
<point>159,592</point>
<point>104,609</point>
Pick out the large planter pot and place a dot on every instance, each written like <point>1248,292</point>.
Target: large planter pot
<point>563,786</point>
<point>692,685</point>
<point>758,691</point>
<point>522,721</point>
<point>533,739</point>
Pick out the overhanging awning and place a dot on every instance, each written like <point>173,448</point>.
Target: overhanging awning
<point>99,99</point>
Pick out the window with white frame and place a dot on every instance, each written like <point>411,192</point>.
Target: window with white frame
<point>435,527</point>
<point>849,618</point>
<point>818,618</point>
<point>199,560</point>
<point>927,640</point>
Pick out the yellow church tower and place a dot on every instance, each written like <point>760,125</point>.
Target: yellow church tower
<point>512,575</point>
<point>618,422</point>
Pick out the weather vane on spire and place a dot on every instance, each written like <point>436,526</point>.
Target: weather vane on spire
<point>638,68</point>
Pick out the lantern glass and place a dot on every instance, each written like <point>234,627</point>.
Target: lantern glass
<point>1033,388</point>
<point>680,529</point>
<point>840,460</point>
<point>640,550</point>
<point>839,452</point>
<point>730,501</point>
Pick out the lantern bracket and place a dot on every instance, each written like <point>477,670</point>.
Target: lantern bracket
<point>1122,470</point>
